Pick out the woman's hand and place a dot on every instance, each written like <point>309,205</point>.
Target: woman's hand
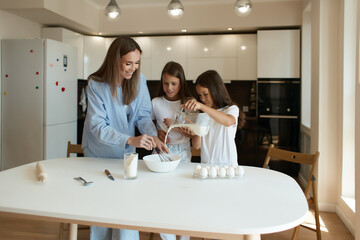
<point>193,105</point>
<point>160,145</point>
<point>142,141</point>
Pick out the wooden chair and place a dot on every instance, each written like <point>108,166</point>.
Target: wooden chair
<point>301,158</point>
<point>71,148</point>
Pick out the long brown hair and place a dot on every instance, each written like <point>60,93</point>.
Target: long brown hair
<point>176,70</point>
<point>217,89</point>
<point>109,71</point>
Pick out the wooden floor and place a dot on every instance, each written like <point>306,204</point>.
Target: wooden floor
<point>13,228</point>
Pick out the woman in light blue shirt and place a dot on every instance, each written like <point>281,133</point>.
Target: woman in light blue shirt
<point>118,101</point>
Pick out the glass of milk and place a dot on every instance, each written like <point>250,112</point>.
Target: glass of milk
<point>130,165</point>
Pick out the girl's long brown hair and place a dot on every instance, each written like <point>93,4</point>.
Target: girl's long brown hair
<point>176,70</point>
<point>109,71</point>
<point>217,89</point>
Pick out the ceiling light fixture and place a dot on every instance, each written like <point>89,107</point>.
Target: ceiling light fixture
<point>243,7</point>
<point>112,10</point>
<point>175,9</point>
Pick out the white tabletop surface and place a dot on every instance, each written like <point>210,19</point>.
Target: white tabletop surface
<point>262,201</point>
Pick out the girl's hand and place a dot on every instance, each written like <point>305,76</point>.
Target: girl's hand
<point>160,145</point>
<point>193,105</point>
<point>168,122</point>
<point>142,141</point>
<point>161,135</point>
<point>187,131</point>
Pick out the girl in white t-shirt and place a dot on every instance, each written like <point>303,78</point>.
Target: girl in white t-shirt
<point>218,146</point>
<point>173,91</point>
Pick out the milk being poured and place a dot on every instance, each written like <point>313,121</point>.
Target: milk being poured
<point>198,130</point>
<point>197,122</point>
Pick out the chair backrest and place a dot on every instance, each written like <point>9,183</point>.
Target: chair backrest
<point>73,148</point>
<point>295,157</point>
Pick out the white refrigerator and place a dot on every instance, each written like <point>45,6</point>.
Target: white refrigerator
<point>38,100</point>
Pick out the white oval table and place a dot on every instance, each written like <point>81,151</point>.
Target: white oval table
<point>262,201</point>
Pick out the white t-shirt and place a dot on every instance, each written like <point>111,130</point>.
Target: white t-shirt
<point>218,146</point>
<point>163,108</point>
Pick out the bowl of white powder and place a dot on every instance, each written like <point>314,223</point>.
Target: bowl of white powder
<point>154,163</point>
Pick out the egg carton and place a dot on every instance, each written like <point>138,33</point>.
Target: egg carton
<point>218,172</point>
<point>198,176</point>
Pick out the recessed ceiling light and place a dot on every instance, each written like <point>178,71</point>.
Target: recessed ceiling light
<point>100,33</point>
<point>184,30</point>
<point>140,32</point>
<point>243,47</point>
<point>229,29</point>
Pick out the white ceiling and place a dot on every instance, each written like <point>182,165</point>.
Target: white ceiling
<point>149,17</point>
<point>146,3</point>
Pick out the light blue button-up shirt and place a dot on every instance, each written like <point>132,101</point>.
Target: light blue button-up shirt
<point>107,126</point>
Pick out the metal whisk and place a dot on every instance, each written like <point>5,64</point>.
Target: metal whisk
<point>163,157</point>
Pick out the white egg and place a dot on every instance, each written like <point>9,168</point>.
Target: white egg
<point>240,171</point>
<point>212,172</point>
<point>222,172</point>
<point>197,169</point>
<point>204,172</point>
<point>230,172</point>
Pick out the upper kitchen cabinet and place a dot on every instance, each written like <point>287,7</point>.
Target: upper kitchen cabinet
<point>95,49</point>
<point>216,52</point>
<point>165,49</point>
<point>247,57</point>
<point>278,54</point>
<point>145,45</point>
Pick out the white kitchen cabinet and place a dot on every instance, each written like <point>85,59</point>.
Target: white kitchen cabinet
<point>212,46</point>
<point>226,67</point>
<point>69,37</point>
<point>278,54</point>
<point>247,57</point>
<point>212,52</point>
<point>165,49</point>
<point>145,45</point>
<point>94,54</point>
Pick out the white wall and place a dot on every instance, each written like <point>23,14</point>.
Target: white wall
<point>15,27</point>
<point>327,33</point>
<point>357,129</point>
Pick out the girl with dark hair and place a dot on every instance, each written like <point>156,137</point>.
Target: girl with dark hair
<point>218,146</point>
<point>173,91</point>
<point>118,101</point>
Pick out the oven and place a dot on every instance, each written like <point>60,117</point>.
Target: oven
<point>278,97</point>
<point>278,120</point>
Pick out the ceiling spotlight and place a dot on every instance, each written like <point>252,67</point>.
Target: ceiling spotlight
<point>112,10</point>
<point>175,9</point>
<point>243,7</point>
